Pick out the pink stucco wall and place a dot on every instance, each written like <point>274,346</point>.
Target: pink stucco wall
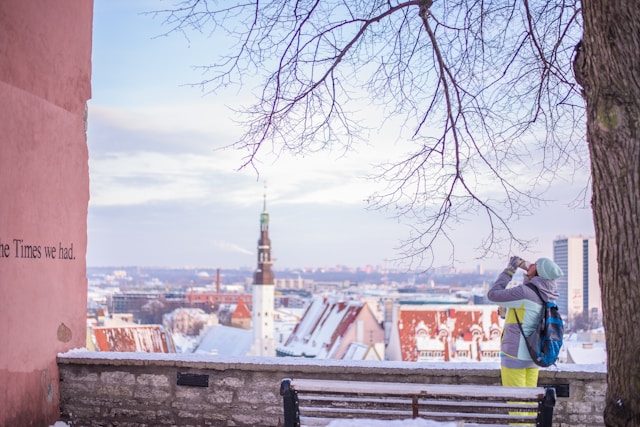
<point>45,81</point>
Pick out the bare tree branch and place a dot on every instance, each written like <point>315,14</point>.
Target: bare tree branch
<point>481,88</point>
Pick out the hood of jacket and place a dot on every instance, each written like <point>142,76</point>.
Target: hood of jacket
<point>548,288</point>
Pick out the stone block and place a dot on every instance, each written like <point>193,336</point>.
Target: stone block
<point>233,382</point>
<point>81,376</point>
<point>250,418</point>
<point>118,377</point>
<point>78,387</point>
<point>191,407</point>
<point>122,412</point>
<point>154,396</point>
<point>189,415</point>
<point>220,397</point>
<point>259,396</point>
<point>214,416</point>
<point>594,391</point>
<point>585,420</point>
<point>579,407</point>
<point>114,390</point>
<point>191,394</point>
<point>153,381</point>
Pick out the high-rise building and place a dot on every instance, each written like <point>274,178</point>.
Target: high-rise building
<point>263,293</point>
<point>579,287</point>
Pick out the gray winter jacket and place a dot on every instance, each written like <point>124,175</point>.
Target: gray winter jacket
<point>527,304</point>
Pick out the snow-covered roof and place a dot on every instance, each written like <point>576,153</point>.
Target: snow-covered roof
<point>225,341</point>
<point>355,351</point>
<point>586,353</point>
<point>410,422</point>
<point>325,321</point>
<point>189,311</point>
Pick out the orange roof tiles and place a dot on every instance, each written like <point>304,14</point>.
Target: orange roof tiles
<point>133,338</point>
<point>446,332</point>
<point>241,311</point>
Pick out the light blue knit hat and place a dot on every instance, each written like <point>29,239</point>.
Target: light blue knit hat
<point>548,269</point>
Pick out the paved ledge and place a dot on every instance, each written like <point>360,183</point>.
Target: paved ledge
<point>142,389</point>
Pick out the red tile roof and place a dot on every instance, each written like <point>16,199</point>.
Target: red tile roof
<point>447,332</point>
<point>241,311</point>
<point>133,338</point>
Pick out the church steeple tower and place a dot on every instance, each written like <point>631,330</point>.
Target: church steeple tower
<point>264,274</point>
<point>263,292</point>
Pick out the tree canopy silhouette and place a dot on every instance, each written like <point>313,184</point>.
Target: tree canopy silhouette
<point>484,94</point>
<point>491,99</point>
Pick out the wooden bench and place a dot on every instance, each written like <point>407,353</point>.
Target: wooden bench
<point>309,402</point>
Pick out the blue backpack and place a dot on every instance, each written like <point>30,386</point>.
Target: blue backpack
<point>546,340</point>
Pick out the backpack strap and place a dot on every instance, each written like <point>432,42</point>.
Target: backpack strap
<point>519,323</point>
<point>536,290</point>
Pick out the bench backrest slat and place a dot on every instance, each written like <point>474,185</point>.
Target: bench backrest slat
<point>399,414</point>
<point>458,406</point>
<point>476,402</point>
<point>411,389</point>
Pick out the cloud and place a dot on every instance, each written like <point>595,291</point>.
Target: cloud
<point>317,203</point>
<point>232,247</point>
<point>164,192</point>
<point>134,159</point>
<point>197,128</point>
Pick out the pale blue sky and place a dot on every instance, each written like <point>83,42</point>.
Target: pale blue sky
<point>164,194</point>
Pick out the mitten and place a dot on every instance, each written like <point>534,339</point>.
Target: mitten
<point>514,263</point>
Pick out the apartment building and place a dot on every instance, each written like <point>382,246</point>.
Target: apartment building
<point>579,287</point>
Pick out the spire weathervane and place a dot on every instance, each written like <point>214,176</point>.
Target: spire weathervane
<point>264,216</point>
<point>264,208</point>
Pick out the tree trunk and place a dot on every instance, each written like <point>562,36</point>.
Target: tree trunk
<point>608,67</point>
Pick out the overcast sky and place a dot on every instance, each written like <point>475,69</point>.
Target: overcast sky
<point>164,193</point>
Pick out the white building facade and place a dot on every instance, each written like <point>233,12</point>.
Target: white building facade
<point>579,287</point>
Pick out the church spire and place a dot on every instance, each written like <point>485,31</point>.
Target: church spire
<point>264,274</point>
<point>263,292</point>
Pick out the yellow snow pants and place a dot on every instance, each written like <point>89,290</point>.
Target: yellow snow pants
<point>521,377</point>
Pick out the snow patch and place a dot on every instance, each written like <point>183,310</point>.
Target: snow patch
<point>417,422</point>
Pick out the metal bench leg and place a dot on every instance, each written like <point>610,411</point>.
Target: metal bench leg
<point>545,412</point>
<point>290,402</point>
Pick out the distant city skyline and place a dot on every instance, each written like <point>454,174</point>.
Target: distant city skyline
<point>164,192</point>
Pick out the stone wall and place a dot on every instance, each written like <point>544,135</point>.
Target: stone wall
<point>133,389</point>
